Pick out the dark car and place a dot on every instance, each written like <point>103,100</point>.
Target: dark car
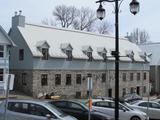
<point>80,110</point>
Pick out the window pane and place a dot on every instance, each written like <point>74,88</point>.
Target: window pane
<point>144,76</point>
<point>69,55</point>
<point>1,51</point>
<point>138,76</point>
<point>103,77</point>
<point>78,78</point>
<point>44,79</point>
<point>24,82</point>
<point>1,74</point>
<point>68,79</point>
<point>124,76</point>
<point>21,54</point>
<point>38,110</point>
<point>131,76</point>
<point>58,79</point>
<point>45,53</point>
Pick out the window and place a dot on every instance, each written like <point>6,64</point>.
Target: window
<point>144,76</point>
<point>15,106</point>
<point>38,110</point>
<point>24,80</point>
<point>75,106</point>
<point>103,77</point>
<point>104,57</point>
<point>144,104</point>
<point>78,78</point>
<point>124,91</point>
<point>124,76</point>
<point>44,79</point>
<point>21,54</point>
<point>155,105</point>
<point>58,79</point>
<point>132,90</point>
<point>89,54</point>
<point>1,74</point>
<point>131,76</point>
<point>68,79</point>
<point>45,53</point>
<point>1,51</point>
<point>144,89</point>
<point>60,104</point>
<point>138,76</point>
<point>69,55</point>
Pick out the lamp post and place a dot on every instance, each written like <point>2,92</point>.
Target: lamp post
<point>134,8</point>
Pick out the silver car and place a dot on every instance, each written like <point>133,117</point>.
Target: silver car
<point>125,112</point>
<point>150,107</point>
<point>32,110</point>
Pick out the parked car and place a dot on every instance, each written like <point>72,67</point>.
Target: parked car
<point>130,97</point>
<point>157,100</point>
<point>80,110</point>
<point>125,113</point>
<point>151,108</point>
<point>32,110</point>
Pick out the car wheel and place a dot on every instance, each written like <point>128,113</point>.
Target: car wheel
<point>135,118</point>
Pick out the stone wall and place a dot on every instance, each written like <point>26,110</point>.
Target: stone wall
<point>100,88</point>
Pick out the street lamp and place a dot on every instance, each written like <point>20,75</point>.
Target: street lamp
<point>134,9</point>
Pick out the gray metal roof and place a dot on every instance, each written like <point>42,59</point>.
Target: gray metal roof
<point>55,37</point>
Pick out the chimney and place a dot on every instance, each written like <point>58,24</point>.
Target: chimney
<point>18,20</point>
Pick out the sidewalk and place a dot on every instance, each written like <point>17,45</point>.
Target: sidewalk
<point>16,94</point>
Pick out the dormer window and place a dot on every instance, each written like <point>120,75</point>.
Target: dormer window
<point>43,47</point>
<point>67,49</point>
<point>1,51</point>
<point>104,55</point>
<point>87,50</point>
<point>102,52</point>
<point>45,53</point>
<point>89,54</point>
<point>69,54</point>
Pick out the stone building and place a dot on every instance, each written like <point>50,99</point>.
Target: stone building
<point>152,50</point>
<point>5,44</point>
<point>49,59</point>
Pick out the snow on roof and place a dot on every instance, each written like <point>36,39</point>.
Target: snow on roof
<point>55,37</point>
<point>4,38</point>
<point>152,50</point>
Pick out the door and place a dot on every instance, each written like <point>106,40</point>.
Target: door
<point>109,92</point>
<point>138,90</point>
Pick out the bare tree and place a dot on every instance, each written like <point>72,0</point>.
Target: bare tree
<point>65,15</point>
<point>139,36</point>
<point>85,19</point>
<point>79,19</point>
<point>103,27</point>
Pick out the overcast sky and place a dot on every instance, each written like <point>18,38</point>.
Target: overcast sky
<point>36,10</point>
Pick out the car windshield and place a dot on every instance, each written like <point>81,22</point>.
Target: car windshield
<point>55,109</point>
